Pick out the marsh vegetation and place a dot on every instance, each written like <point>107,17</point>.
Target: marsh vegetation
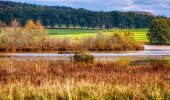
<point>123,79</point>
<point>61,67</point>
<point>34,37</point>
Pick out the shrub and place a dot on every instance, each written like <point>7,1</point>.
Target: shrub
<point>87,58</point>
<point>123,62</point>
<point>115,41</point>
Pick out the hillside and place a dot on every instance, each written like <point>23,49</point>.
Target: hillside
<point>59,15</point>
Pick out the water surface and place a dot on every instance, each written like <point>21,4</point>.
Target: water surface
<point>157,52</point>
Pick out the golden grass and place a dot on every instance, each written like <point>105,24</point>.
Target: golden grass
<point>78,81</point>
<point>34,38</point>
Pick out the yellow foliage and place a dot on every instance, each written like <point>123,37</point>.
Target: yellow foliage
<point>101,40</point>
<point>30,25</point>
<point>15,23</point>
<point>39,27</point>
<point>33,35</point>
<point>116,41</point>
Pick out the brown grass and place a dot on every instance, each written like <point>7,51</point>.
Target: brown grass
<point>77,81</point>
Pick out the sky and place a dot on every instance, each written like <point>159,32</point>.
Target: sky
<point>157,7</point>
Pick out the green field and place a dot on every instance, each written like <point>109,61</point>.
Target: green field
<point>139,34</point>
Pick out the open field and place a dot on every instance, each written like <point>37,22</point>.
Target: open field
<point>139,34</point>
<point>51,80</point>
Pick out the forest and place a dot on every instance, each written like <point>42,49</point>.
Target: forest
<point>59,16</point>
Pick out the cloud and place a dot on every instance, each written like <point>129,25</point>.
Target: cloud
<point>158,7</point>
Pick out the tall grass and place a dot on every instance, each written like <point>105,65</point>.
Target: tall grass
<point>33,37</point>
<point>115,41</point>
<point>82,91</point>
<point>32,80</point>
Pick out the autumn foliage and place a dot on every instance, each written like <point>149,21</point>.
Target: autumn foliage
<point>62,80</point>
<point>34,37</point>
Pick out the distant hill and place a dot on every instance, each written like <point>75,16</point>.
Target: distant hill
<point>60,15</point>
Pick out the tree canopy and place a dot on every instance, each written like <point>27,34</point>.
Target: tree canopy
<point>159,32</point>
<point>58,15</point>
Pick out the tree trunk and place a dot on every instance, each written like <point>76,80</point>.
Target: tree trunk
<point>52,26</point>
<point>59,26</point>
<point>100,27</point>
<point>45,26</point>
<point>107,28</point>
<point>67,26</point>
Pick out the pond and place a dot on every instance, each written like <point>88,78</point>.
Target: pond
<point>154,52</point>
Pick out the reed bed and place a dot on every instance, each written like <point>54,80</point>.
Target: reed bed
<point>61,80</point>
<point>33,37</point>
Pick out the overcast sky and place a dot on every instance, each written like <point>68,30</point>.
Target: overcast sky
<point>158,7</point>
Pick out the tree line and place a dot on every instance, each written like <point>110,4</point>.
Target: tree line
<point>58,16</point>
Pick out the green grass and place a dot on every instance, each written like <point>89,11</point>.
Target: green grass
<point>73,33</point>
<point>139,34</point>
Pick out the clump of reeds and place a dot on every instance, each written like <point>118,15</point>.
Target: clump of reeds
<point>32,36</point>
<point>115,41</point>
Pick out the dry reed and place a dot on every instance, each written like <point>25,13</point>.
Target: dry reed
<point>76,81</point>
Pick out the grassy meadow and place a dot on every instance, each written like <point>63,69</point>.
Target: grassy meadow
<point>52,80</point>
<point>140,35</point>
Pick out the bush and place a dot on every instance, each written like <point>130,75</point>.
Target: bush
<point>87,58</point>
<point>115,41</point>
<point>123,62</point>
<point>159,32</point>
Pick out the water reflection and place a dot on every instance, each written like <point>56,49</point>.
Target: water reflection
<point>150,52</point>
